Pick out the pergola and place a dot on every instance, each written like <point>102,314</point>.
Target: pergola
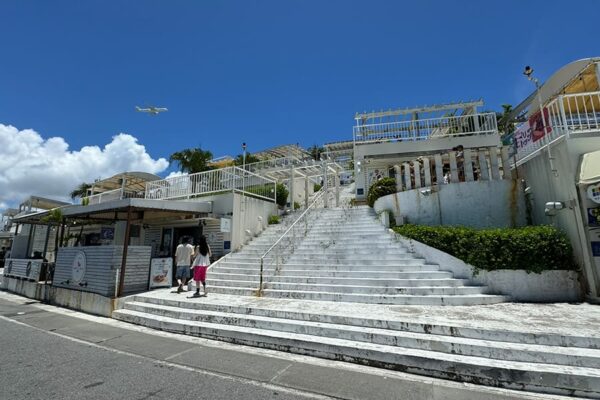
<point>131,181</point>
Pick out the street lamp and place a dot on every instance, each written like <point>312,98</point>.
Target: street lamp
<point>244,156</point>
<point>244,167</point>
<point>528,72</point>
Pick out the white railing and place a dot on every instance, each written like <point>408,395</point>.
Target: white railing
<point>211,182</point>
<point>103,197</point>
<point>424,129</point>
<point>565,115</point>
<point>109,195</point>
<point>283,247</point>
<point>275,163</point>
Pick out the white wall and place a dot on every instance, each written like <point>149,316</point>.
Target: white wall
<point>546,287</point>
<point>546,187</point>
<point>246,213</point>
<point>478,204</point>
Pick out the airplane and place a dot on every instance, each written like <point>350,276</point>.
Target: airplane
<point>151,110</point>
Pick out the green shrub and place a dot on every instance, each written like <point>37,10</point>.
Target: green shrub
<point>281,194</point>
<point>296,205</point>
<point>381,188</point>
<point>316,187</point>
<point>532,248</point>
<point>273,219</point>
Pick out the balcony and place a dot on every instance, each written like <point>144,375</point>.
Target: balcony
<point>568,115</point>
<point>426,129</point>
<point>211,182</point>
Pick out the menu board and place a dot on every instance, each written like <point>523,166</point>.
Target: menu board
<point>161,272</point>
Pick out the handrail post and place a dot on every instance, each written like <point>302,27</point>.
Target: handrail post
<point>260,279</point>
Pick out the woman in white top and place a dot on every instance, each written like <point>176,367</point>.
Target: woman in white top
<point>200,265</point>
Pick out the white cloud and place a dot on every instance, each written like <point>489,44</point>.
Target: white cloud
<point>30,164</point>
<point>175,174</point>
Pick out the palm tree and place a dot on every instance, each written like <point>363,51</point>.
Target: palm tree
<point>505,125</point>
<point>81,190</point>
<point>192,160</point>
<point>315,152</point>
<point>239,160</point>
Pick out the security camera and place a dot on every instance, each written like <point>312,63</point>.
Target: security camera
<point>553,207</point>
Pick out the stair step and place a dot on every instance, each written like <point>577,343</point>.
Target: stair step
<point>501,350</point>
<point>578,381</point>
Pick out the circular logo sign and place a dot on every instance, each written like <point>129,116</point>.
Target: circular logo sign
<point>593,192</point>
<point>78,271</point>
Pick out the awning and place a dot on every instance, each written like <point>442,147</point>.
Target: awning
<point>111,209</point>
<point>589,168</point>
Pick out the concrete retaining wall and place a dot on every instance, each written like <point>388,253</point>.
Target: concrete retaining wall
<point>77,300</point>
<point>547,287</point>
<point>478,204</point>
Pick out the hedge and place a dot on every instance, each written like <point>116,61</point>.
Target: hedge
<point>381,188</point>
<point>532,248</point>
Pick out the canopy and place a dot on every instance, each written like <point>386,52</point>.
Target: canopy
<point>589,170</point>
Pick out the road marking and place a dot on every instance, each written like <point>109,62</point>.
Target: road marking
<point>277,375</point>
<point>264,385</point>
<point>178,354</point>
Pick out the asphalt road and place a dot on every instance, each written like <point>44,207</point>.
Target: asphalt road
<point>38,365</point>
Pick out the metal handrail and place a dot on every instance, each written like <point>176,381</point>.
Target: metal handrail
<point>320,194</point>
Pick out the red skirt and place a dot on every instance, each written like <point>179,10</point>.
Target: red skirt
<point>200,273</point>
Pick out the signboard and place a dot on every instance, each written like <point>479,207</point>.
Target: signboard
<point>593,192</point>
<point>593,216</point>
<point>595,249</point>
<point>536,124</point>
<point>225,224</point>
<point>107,233</point>
<point>79,265</point>
<point>523,136</point>
<point>161,272</point>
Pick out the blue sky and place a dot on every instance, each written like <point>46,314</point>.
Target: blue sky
<point>267,72</point>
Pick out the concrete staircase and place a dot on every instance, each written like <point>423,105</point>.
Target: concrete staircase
<point>346,256</point>
<point>540,362</point>
<point>329,300</point>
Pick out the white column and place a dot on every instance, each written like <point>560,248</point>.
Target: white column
<point>306,193</point>
<point>484,174</point>
<point>292,186</point>
<point>453,167</point>
<point>406,167</point>
<point>468,165</point>
<point>398,172</point>
<point>337,190</point>
<point>427,171</point>
<point>439,169</point>
<point>417,167</point>
<point>494,163</point>
<point>505,163</point>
